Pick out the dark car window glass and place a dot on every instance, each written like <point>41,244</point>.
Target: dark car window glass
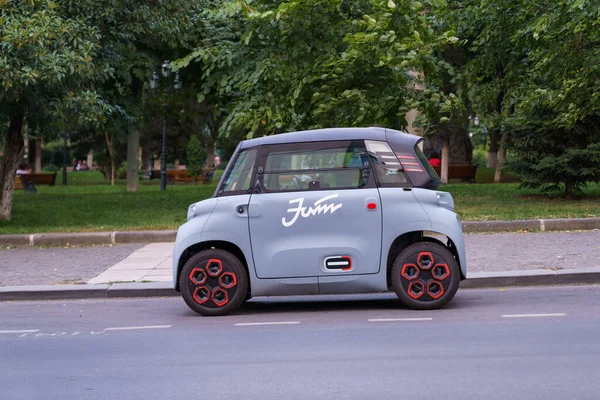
<point>304,168</point>
<point>239,177</point>
<point>425,163</point>
<point>386,165</point>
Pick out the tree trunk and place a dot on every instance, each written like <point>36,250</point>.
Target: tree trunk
<point>569,190</point>
<point>34,154</point>
<point>445,158</point>
<point>38,156</point>
<point>13,150</point>
<point>111,153</point>
<point>500,162</point>
<point>210,148</point>
<point>494,146</point>
<point>133,145</point>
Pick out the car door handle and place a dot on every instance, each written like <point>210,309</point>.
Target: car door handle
<point>253,210</point>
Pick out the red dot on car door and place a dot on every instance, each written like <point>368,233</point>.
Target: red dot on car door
<point>371,206</point>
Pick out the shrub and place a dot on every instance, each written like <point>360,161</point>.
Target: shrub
<point>479,157</point>
<point>50,168</point>
<point>196,157</point>
<point>122,171</point>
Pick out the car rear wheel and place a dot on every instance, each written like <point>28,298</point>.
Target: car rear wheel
<point>213,282</point>
<point>425,276</point>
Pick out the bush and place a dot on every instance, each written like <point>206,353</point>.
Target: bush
<point>50,168</point>
<point>196,156</point>
<point>122,171</point>
<point>479,157</point>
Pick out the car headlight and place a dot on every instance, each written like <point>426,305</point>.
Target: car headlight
<point>445,200</point>
<point>191,211</point>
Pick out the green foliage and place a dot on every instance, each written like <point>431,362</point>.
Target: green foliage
<point>479,157</point>
<point>49,51</point>
<point>196,157</point>
<point>122,170</point>
<point>50,168</point>
<point>304,64</point>
<point>550,157</point>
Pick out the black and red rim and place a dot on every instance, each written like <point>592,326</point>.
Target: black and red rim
<point>212,283</point>
<point>425,276</point>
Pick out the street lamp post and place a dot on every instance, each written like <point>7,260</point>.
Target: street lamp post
<point>166,72</point>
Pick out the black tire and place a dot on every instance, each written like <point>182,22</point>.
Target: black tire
<point>425,276</point>
<point>213,282</point>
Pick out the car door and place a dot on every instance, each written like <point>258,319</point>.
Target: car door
<point>315,211</point>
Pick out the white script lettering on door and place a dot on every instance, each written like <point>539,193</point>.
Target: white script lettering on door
<point>317,208</point>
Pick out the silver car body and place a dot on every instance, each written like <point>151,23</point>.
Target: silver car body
<point>322,240</point>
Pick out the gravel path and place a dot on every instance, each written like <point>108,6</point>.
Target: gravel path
<point>541,250</point>
<point>43,266</point>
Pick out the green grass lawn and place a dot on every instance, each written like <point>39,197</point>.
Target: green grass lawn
<point>87,203</point>
<point>485,202</point>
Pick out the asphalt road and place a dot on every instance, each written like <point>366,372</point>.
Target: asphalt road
<point>528,343</point>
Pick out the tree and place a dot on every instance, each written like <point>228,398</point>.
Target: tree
<point>551,157</point>
<point>196,157</point>
<point>307,64</point>
<point>48,52</point>
<point>557,115</point>
<point>137,36</point>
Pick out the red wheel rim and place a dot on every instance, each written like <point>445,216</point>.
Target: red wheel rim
<point>425,276</point>
<point>212,283</point>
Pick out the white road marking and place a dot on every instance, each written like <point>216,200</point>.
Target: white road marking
<point>22,331</point>
<point>267,323</point>
<point>131,328</point>
<point>533,315</point>
<point>398,319</point>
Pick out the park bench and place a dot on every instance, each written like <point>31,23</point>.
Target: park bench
<point>465,173</point>
<point>34,179</point>
<point>181,175</point>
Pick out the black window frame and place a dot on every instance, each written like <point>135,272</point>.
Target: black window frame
<point>266,150</point>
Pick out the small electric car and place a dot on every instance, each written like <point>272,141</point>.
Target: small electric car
<point>345,210</point>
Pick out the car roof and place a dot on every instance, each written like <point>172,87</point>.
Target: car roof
<point>329,134</point>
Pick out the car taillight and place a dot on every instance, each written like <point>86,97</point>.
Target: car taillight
<point>409,163</point>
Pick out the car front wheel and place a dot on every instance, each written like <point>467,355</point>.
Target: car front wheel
<point>213,282</point>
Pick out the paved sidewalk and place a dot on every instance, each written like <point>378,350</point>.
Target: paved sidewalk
<point>151,263</point>
<point>496,259</point>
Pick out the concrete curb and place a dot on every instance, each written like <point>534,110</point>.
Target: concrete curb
<point>91,238</point>
<point>542,225</point>
<point>97,291</point>
<point>476,280</point>
<point>87,238</point>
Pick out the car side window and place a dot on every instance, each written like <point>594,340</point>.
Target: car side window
<point>239,177</point>
<point>386,165</point>
<point>315,166</point>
